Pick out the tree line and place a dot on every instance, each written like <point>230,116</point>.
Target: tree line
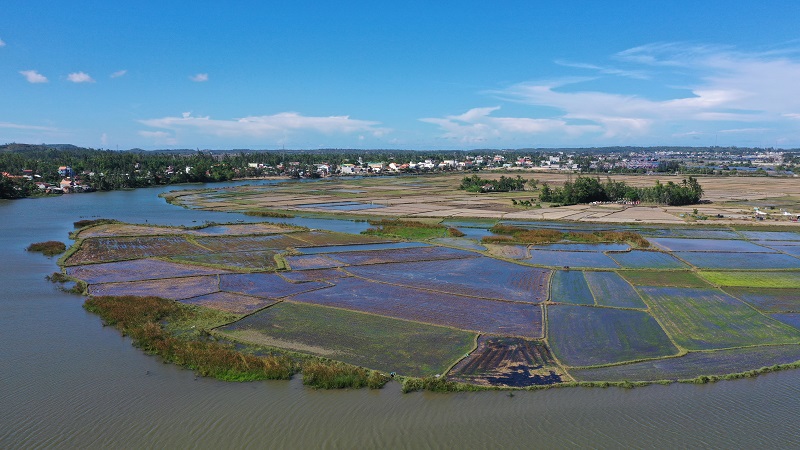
<point>589,189</point>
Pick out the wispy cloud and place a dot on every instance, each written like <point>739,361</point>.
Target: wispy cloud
<point>637,74</point>
<point>199,78</point>
<point>33,76</point>
<point>17,126</point>
<point>2,43</point>
<point>477,125</point>
<point>724,86</point>
<point>119,73</point>
<point>274,126</point>
<point>80,77</point>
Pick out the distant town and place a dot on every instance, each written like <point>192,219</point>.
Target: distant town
<point>30,170</point>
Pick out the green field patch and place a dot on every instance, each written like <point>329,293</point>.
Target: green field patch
<point>694,364</point>
<point>315,238</point>
<point>381,343</point>
<point>768,299</point>
<point>664,278</point>
<point>704,319</point>
<point>763,279</point>
<point>229,302</point>
<point>253,260</point>
<point>709,245</point>
<point>569,286</point>
<point>506,361</point>
<point>644,259</point>
<point>586,336</point>
<point>609,289</point>
<point>169,288</point>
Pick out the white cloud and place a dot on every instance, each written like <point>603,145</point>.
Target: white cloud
<point>724,86</point>
<point>199,78</point>
<point>119,73</point>
<point>273,126</point>
<point>477,125</point>
<point>104,139</point>
<point>80,77</point>
<point>33,76</point>
<point>159,137</point>
<point>637,74</point>
<point>2,43</point>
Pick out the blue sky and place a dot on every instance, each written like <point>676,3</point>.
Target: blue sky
<point>409,75</point>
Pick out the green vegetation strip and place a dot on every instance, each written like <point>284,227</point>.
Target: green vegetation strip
<point>663,278</point>
<point>408,229</point>
<point>142,318</point>
<point>774,279</point>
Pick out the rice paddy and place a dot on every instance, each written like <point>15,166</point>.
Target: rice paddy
<point>705,302</point>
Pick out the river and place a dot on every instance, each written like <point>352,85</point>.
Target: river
<point>66,381</point>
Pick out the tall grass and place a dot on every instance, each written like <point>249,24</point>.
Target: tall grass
<point>406,229</point>
<point>547,236</point>
<point>334,375</point>
<point>142,319</point>
<point>48,248</point>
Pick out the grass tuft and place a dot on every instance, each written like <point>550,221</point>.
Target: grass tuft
<point>48,248</point>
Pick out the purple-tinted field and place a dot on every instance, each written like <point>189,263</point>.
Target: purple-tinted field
<point>558,258</point>
<point>705,319</point>
<point>230,302</point>
<point>507,318</point>
<point>478,277</point>
<point>767,299</point>
<point>303,276</point>
<point>642,259</point>
<point>610,289</point>
<point>583,247</point>
<point>689,233</point>
<point>694,364</point>
<point>171,288</point>
<point>771,235</point>
<point>569,286</point>
<point>136,270</point>
<point>259,260</point>
<point>116,249</point>
<point>723,260</point>
<point>402,255</point>
<point>267,285</point>
<point>305,262</point>
<point>230,244</point>
<point>791,319</point>
<point>586,336</point>
<point>709,245</point>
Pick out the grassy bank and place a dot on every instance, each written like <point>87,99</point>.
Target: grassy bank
<point>146,319</point>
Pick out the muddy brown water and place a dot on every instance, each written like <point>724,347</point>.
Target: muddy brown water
<point>68,382</point>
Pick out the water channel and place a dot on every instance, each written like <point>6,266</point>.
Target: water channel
<point>66,381</point>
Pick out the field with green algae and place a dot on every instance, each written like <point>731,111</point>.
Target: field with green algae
<point>649,315</point>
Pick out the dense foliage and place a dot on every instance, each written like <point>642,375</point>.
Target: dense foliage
<point>588,189</point>
<point>475,183</point>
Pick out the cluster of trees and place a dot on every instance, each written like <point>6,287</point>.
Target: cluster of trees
<point>475,183</point>
<point>588,189</point>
